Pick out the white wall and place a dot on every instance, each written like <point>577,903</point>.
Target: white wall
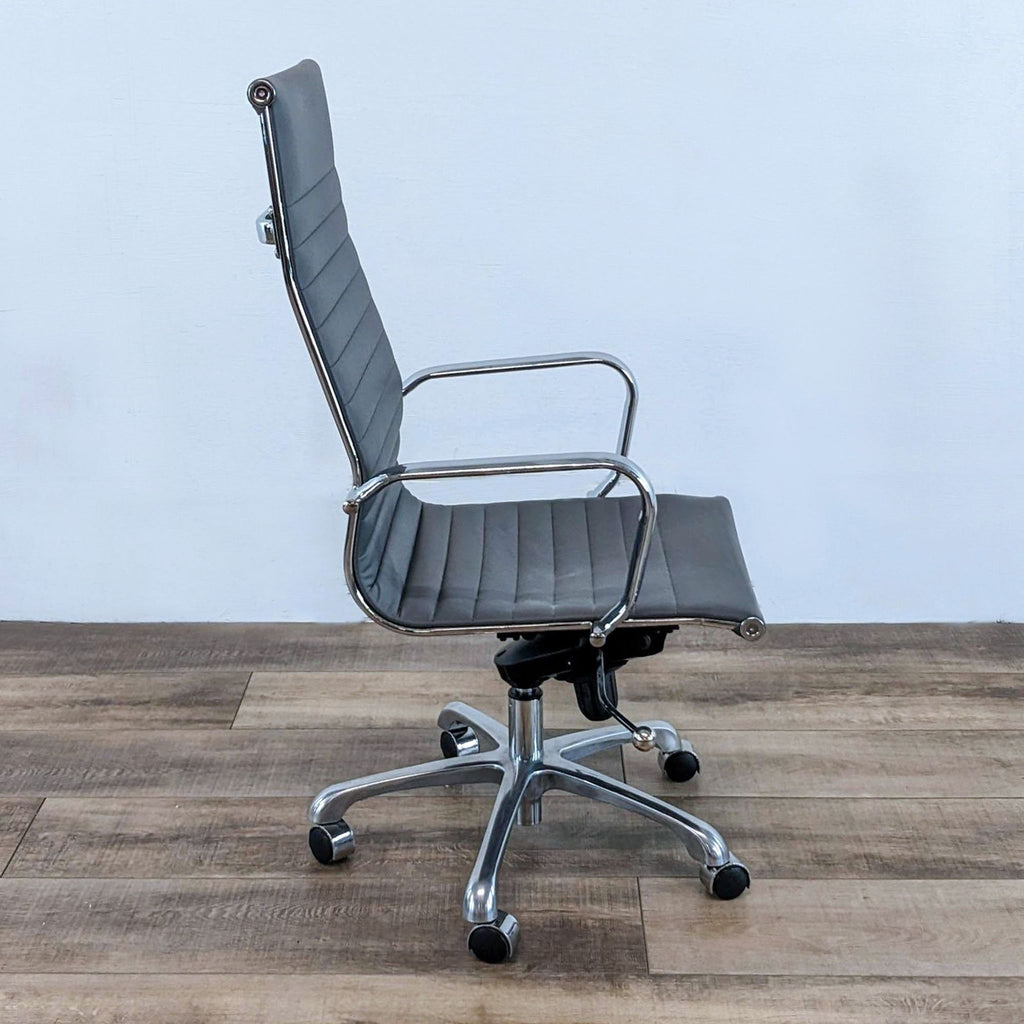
<point>801,223</point>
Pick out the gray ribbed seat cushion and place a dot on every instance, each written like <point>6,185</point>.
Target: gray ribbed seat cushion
<point>564,560</point>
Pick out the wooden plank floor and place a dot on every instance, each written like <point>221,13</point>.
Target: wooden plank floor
<point>154,782</point>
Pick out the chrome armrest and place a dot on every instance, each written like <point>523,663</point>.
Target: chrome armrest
<point>575,462</point>
<point>549,362</point>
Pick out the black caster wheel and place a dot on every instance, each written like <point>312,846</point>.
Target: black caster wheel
<point>680,765</point>
<point>332,842</point>
<point>459,740</point>
<point>495,942</point>
<point>727,882</point>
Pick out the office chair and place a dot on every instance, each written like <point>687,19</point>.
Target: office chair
<point>575,587</point>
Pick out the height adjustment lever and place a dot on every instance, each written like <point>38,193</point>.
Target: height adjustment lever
<point>528,659</point>
<point>643,736</point>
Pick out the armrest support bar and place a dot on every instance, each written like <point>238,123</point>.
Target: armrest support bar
<point>549,362</point>
<point>575,462</point>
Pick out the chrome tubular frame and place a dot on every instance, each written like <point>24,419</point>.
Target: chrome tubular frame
<point>547,362</point>
<point>272,229</point>
<point>576,462</point>
<point>525,766</point>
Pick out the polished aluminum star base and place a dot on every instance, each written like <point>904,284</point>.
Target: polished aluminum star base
<point>524,766</point>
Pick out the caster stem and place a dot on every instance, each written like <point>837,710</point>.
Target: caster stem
<point>458,741</point>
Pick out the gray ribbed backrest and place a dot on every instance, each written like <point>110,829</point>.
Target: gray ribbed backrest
<point>344,319</point>
<point>345,324</point>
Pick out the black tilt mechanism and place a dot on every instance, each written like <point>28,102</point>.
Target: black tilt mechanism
<point>530,658</point>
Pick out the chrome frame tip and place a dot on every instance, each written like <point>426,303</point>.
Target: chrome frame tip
<point>261,94</point>
<point>752,628</point>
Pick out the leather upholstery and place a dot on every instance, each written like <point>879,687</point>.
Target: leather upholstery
<point>424,565</point>
<point>563,560</point>
<point>347,325</point>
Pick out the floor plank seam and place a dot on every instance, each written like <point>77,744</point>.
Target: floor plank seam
<point>133,795</point>
<point>643,927</point>
<point>238,706</point>
<point>300,875</point>
<point>21,838</point>
<point>472,973</point>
